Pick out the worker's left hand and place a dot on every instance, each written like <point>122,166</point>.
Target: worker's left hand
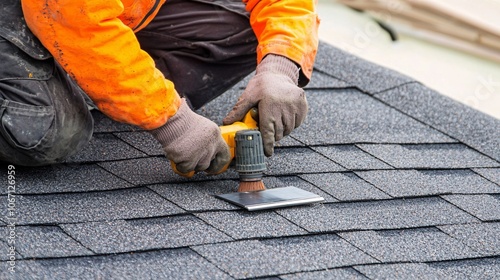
<point>281,103</point>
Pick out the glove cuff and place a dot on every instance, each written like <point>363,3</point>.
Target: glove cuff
<point>281,65</point>
<point>175,126</point>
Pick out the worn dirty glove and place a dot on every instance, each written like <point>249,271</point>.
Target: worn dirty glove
<point>193,142</point>
<point>281,103</point>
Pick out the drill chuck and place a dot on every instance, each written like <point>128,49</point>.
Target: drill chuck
<point>249,155</point>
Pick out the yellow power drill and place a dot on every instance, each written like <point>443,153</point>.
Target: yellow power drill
<point>228,132</point>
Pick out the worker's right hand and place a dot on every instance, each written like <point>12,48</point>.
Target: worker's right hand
<point>193,142</point>
<point>275,92</point>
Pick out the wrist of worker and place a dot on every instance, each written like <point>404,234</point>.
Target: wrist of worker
<point>176,126</point>
<point>273,63</point>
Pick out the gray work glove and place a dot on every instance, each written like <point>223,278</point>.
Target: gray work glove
<point>193,142</point>
<point>282,104</point>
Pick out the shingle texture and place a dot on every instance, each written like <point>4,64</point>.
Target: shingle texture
<point>429,156</point>
<point>64,178</point>
<point>386,214</point>
<point>351,157</point>
<point>345,186</point>
<point>492,174</point>
<point>46,242</point>
<point>164,264</point>
<point>339,273</point>
<point>406,183</point>
<point>346,116</point>
<point>411,181</point>
<point>470,269</point>
<point>483,238</point>
<point>299,160</point>
<point>463,123</point>
<point>254,258</point>
<point>86,207</point>
<point>242,225</point>
<point>197,196</point>
<point>144,234</point>
<point>485,207</point>
<point>142,141</point>
<point>415,245</point>
<point>420,271</point>
<point>103,147</point>
<point>365,76</point>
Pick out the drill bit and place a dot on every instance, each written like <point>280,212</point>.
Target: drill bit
<point>250,160</point>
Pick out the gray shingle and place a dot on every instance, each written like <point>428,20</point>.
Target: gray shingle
<point>339,273</point>
<point>471,127</point>
<point>153,170</point>
<point>492,174</point>
<point>103,147</point>
<point>351,157</point>
<point>348,116</point>
<point>254,258</point>
<point>345,186</point>
<point>289,141</point>
<point>299,160</point>
<point>429,156</point>
<point>7,255</point>
<point>367,76</point>
<point>242,225</point>
<point>407,183</point>
<point>321,80</point>
<point>63,178</point>
<point>294,181</point>
<point>198,196</point>
<point>484,237</point>
<point>217,109</point>
<point>104,124</point>
<point>470,269</point>
<point>142,141</point>
<point>391,214</point>
<point>403,271</point>
<point>142,171</point>
<point>145,234</point>
<point>485,207</point>
<point>82,207</point>
<point>46,242</point>
<point>165,264</point>
<point>415,245</point>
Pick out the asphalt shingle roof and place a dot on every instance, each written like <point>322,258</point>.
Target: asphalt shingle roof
<point>411,181</point>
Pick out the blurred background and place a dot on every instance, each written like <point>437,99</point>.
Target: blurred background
<point>452,46</point>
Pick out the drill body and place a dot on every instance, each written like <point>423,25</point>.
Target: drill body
<point>228,132</point>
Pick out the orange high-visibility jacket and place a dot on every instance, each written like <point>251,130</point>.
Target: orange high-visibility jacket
<point>94,42</point>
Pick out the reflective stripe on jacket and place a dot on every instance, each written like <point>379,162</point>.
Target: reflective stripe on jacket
<point>94,42</point>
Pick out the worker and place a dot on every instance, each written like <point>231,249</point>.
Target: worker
<point>149,63</point>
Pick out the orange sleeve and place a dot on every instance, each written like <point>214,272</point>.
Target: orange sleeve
<point>288,28</point>
<point>104,57</point>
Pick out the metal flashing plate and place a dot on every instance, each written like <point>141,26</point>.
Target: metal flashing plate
<point>271,198</point>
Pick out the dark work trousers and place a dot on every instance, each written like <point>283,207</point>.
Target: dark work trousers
<point>203,46</point>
